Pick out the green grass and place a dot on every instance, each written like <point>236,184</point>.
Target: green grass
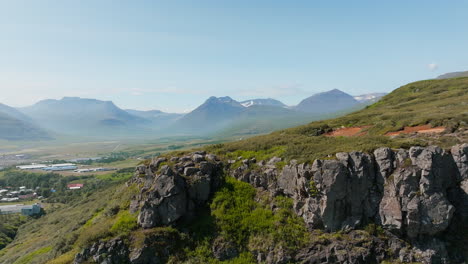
<point>29,257</point>
<point>434,102</point>
<point>68,228</point>
<point>250,224</point>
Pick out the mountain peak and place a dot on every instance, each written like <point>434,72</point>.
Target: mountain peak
<point>327,102</point>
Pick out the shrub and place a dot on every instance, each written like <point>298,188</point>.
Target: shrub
<point>124,224</point>
<point>240,219</point>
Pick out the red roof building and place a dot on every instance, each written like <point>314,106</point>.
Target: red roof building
<point>74,186</point>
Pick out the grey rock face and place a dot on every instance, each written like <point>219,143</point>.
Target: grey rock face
<point>113,251</point>
<point>415,198</point>
<point>167,197</point>
<point>166,204</point>
<point>405,191</point>
<point>333,194</point>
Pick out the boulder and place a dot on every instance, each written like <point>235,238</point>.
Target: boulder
<point>166,203</point>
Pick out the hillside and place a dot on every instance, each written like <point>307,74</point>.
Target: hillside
<point>75,116</point>
<point>433,102</point>
<point>453,75</point>
<point>297,195</point>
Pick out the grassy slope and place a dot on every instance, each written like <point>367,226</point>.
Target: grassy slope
<point>66,228</point>
<point>435,102</point>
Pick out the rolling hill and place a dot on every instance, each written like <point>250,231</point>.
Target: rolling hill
<point>453,75</point>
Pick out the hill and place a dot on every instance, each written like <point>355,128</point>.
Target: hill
<point>453,75</point>
<point>433,102</point>
<point>77,116</point>
<point>327,102</point>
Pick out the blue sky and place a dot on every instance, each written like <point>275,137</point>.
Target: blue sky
<point>172,55</point>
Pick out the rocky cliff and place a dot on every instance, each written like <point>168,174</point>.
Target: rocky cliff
<point>399,205</point>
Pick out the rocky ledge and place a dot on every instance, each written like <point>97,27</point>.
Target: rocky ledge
<point>418,198</point>
<point>419,195</point>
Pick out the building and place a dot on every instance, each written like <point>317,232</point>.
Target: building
<point>29,210</point>
<point>61,167</point>
<point>75,186</point>
<point>32,167</point>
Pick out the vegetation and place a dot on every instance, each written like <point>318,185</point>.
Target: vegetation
<point>9,224</point>
<point>66,229</point>
<point>54,186</point>
<point>434,102</point>
<point>250,225</point>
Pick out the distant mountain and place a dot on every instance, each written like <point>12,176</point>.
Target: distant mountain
<point>13,112</point>
<point>371,98</point>
<point>269,101</point>
<point>158,118</point>
<point>223,116</point>
<point>16,126</point>
<point>260,119</point>
<point>327,102</point>
<point>213,114</point>
<point>453,75</point>
<point>79,116</point>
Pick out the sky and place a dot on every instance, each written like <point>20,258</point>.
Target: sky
<point>173,55</point>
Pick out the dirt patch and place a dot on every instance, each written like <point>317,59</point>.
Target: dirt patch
<point>348,132</point>
<point>424,129</point>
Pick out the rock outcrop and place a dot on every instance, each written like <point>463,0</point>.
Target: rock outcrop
<point>170,193</point>
<point>416,194</point>
<point>416,198</point>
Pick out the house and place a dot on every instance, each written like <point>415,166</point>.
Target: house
<point>75,186</point>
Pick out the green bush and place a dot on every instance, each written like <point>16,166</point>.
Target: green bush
<point>124,224</point>
<point>240,219</point>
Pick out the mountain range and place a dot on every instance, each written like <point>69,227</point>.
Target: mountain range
<point>222,116</point>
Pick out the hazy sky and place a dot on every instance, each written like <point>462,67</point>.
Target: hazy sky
<point>172,55</point>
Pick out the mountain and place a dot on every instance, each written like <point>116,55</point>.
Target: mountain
<point>453,75</point>
<point>327,102</point>
<point>369,98</point>
<point>16,126</point>
<point>260,119</point>
<point>213,114</point>
<point>12,112</point>
<point>91,117</point>
<point>157,118</point>
<point>268,101</point>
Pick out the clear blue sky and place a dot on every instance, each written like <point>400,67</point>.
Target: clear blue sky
<point>172,55</point>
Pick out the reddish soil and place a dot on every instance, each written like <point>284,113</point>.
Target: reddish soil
<point>424,129</point>
<point>348,132</point>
